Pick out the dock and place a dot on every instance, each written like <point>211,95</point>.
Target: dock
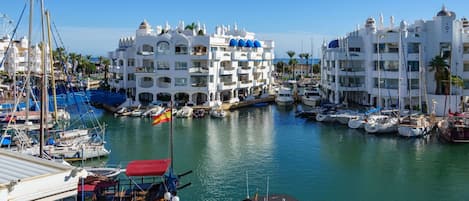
<point>247,103</point>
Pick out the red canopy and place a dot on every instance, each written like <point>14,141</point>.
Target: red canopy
<point>147,167</point>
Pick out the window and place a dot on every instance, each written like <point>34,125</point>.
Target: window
<point>180,65</point>
<point>354,49</point>
<point>180,81</point>
<point>131,62</point>
<point>213,49</point>
<point>162,65</point>
<point>466,48</point>
<point>147,48</point>
<point>413,48</point>
<point>466,66</point>
<point>163,47</point>
<point>393,47</point>
<point>148,63</point>
<point>414,84</point>
<point>181,49</point>
<point>466,84</point>
<point>381,48</point>
<point>121,62</point>
<point>413,66</point>
<point>131,76</point>
<point>211,79</point>
<point>199,50</point>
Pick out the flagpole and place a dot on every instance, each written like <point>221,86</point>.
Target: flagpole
<point>171,135</point>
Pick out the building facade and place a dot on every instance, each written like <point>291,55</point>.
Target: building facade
<point>390,66</point>
<point>188,65</point>
<point>14,56</point>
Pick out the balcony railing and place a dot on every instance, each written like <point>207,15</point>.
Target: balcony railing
<point>198,70</point>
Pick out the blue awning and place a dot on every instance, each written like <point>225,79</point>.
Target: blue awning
<point>333,44</point>
<point>249,43</point>
<point>257,43</point>
<point>241,43</point>
<point>233,42</point>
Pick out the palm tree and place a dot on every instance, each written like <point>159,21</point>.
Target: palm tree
<point>190,26</point>
<point>292,61</point>
<point>442,73</point>
<point>106,63</point>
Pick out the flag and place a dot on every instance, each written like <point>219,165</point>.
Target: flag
<point>162,118</point>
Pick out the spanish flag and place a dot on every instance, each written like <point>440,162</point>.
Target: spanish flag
<point>162,118</point>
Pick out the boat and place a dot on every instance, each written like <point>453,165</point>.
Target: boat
<point>109,172</point>
<point>153,111</point>
<point>145,180</point>
<point>199,113</point>
<point>360,120</point>
<point>284,97</point>
<point>414,126</point>
<point>217,113</point>
<point>311,97</point>
<point>184,112</point>
<point>454,128</point>
<point>381,124</point>
<point>137,112</point>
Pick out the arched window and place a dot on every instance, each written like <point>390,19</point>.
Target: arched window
<point>163,47</point>
<point>199,50</point>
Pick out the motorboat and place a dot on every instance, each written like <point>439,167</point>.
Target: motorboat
<point>184,112</point>
<point>311,97</point>
<point>284,97</point>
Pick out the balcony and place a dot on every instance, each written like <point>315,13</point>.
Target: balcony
<point>255,56</point>
<point>144,70</point>
<point>199,70</point>
<point>221,55</point>
<point>227,71</point>
<point>146,84</point>
<point>239,56</point>
<point>244,83</point>
<point>226,86</point>
<point>352,87</point>
<point>465,56</point>
<point>268,56</point>
<point>201,55</point>
<point>244,70</point>
<point>199,84</point>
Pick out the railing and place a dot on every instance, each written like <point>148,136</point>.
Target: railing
<point>198,70</point>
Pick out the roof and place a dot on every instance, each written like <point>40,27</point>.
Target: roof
<point>147,167</point>
<point>15,166</point>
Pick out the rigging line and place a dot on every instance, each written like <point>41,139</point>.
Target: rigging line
<point>58,35</point>
<point>13,36</point>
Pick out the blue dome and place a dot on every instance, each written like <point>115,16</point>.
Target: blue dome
<point>233,42</point>
<point>333,44</point>
<point>257,43</point>
<point>241,43</point>
<point>249,43</point>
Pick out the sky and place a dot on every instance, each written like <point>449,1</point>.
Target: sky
<point>93,27</point>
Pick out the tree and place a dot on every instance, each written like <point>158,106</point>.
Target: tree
<point>279,67</point>
<point>106,63</point>
<point>190,26</point>
<point>316,68</point>
<point>292,61</point>
<point>442,74</point>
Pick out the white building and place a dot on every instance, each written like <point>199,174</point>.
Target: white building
<point>191,66</point>
<point>349,65</point>
<point>14,54</point>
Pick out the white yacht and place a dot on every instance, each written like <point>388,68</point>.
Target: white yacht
<point>311,97</point>
<point>284,96</point>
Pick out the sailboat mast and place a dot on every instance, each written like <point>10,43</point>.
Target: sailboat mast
<point>30,50</point>
<point>54,94</point>
<point>43,116</point>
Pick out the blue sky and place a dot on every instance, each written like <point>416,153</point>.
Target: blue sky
<point>95,26</point>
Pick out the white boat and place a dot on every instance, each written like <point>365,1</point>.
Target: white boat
<point>185,112</point>
<point>284,97</point>
<point>311,97</point>
<point>345,117</point>
<point>218,113</point>
<point>108,172</point>
<point>381,124</point>
<point>154,111</point>
<point>77,151</point>
<point>414,126</point>
<point>357,122</point>
<point>137,112</point>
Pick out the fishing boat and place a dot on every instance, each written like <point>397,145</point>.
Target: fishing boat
<point>284,97</point>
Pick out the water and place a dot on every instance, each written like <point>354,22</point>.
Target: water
<point>309,160</point>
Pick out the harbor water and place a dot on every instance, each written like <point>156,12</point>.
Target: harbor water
<point>305,159</point>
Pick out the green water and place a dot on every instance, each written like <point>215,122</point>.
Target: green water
<point>306,159</point>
